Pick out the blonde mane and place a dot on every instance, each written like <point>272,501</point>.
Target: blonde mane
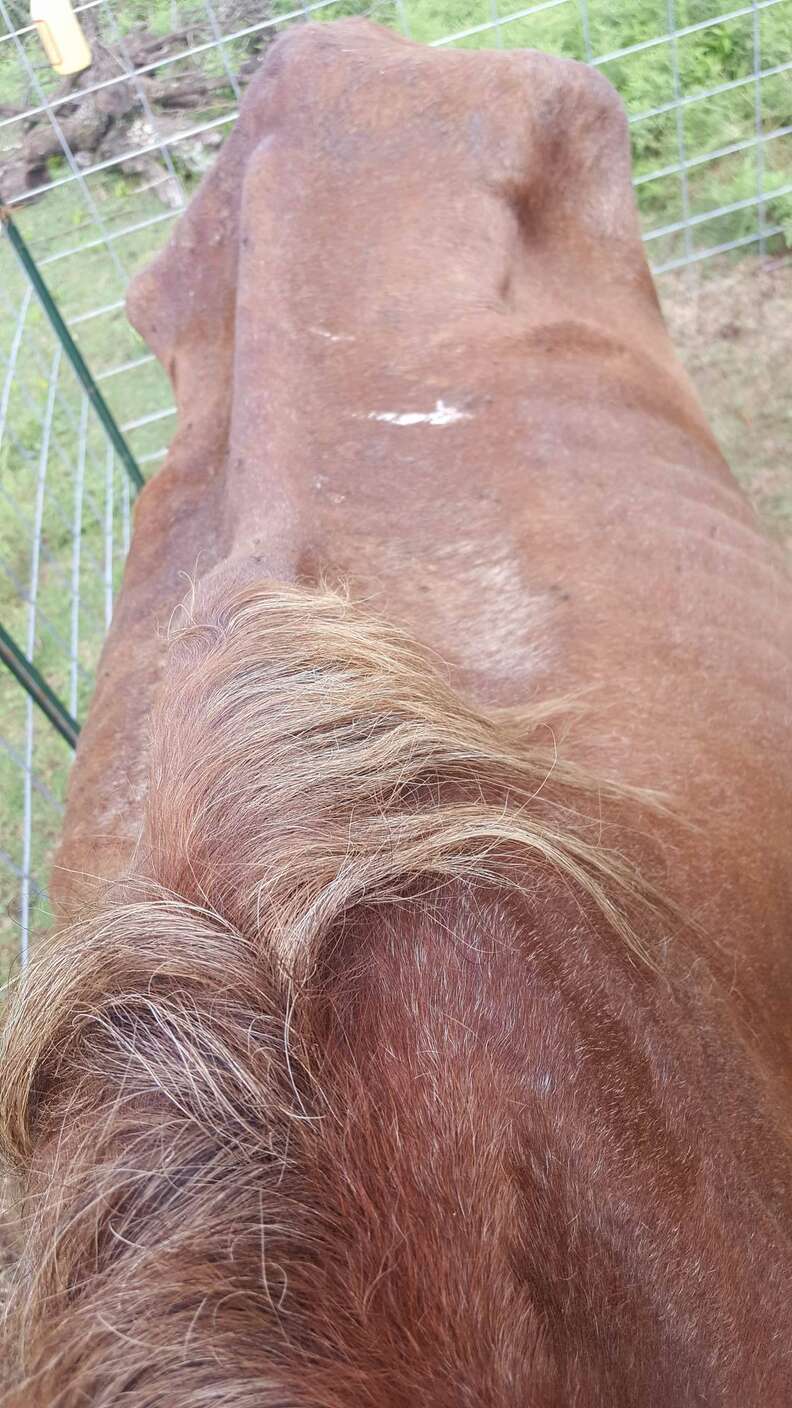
<point>309,764</point>
<point>310,757</point>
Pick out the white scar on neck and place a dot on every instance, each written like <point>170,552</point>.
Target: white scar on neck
<point>332,336</point>
<point>441,415</point>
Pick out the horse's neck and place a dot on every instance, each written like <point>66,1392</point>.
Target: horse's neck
<point>543,1098</point>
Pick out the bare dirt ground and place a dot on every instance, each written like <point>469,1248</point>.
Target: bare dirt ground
<point>733,330</point>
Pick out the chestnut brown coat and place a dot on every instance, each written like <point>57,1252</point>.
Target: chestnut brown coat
<point>414,1055</point>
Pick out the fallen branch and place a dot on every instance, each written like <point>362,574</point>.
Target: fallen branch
<point>105,124</point>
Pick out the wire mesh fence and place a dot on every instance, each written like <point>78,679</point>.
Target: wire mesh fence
<point>96,167</point>
<point>64,531</point>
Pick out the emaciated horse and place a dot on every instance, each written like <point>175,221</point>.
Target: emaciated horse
<point>417,1030</point>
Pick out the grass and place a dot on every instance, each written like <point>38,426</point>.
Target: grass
<point>73,215</point>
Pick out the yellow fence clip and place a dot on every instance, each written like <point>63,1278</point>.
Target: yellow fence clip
<point>59,29</point>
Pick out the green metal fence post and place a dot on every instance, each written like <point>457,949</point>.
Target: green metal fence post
<point>70,348</point>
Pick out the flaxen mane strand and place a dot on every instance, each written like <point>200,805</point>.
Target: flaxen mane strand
<point>310,757</point>
<point>188,1154</point>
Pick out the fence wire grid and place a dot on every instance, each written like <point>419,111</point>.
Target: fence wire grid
<point>96,168</point>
